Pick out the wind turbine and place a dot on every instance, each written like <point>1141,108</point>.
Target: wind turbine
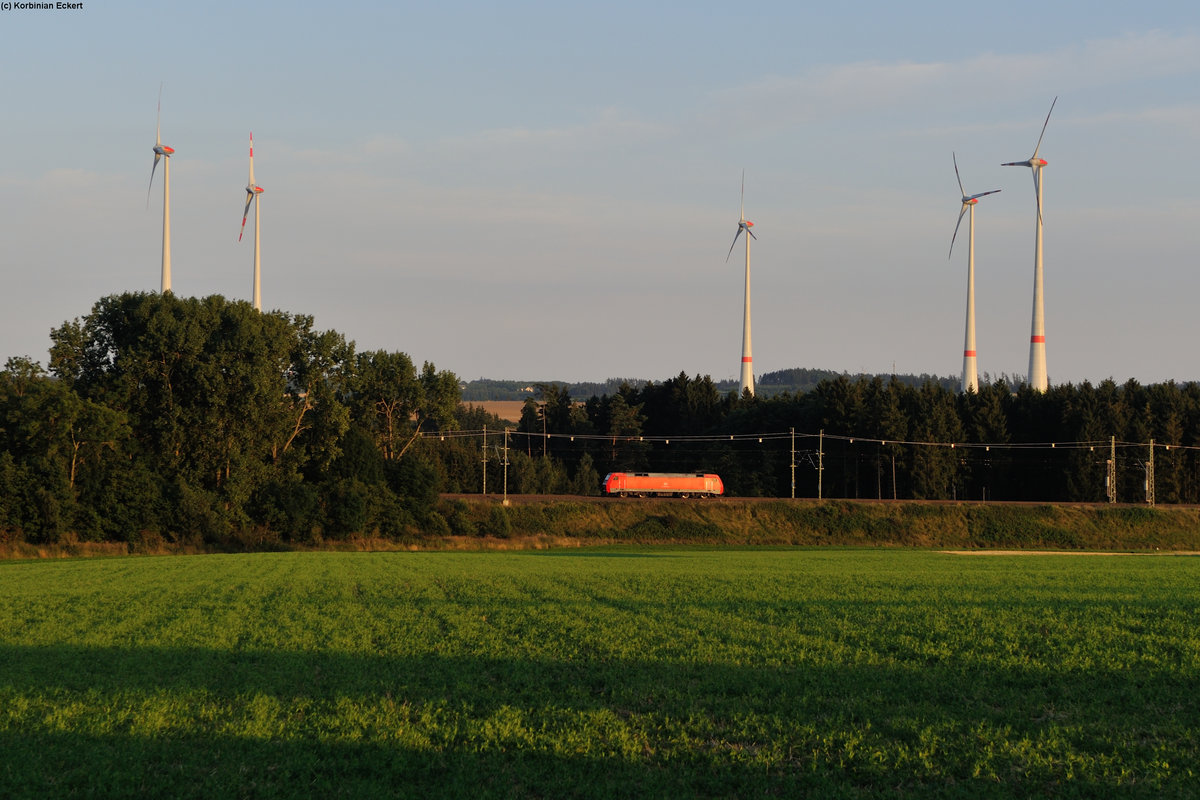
<point>165,153</point>
<point>970,374</point>
<point>1037,336</point>
<point>253,190</point>
<point>747,381</point>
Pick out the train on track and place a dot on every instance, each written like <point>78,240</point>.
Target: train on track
<point>662,484</point>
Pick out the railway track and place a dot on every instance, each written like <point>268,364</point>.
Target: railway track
<point>528,499</point>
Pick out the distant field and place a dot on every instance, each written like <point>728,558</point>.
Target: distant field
<point>626,672</point>
<point>504,409</point>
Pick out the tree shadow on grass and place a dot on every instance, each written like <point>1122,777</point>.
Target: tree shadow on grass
<point>217,767</point>
<point>195,722</point>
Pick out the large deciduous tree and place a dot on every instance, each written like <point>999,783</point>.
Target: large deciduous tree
<point>54,440</point>
<point>386,396</point>
<point>215,392</point>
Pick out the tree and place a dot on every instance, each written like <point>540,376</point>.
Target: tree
<point>56,437</point>
<point>217,396</point>
<point>882,417</point>
<point>385,397</point>
<point>627,451</point>
<point>318,378</point>
<point>935,420</point>
<point>198,380</point>
<point>682,405</point>
<point>839,406</point>
<point>440,397</point>
<point>1168,412</point>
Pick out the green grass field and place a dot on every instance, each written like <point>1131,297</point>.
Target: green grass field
<point>645,672</point>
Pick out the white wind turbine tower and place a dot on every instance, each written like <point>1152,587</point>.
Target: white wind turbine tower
<point>1037,337</point>
<point>747,381</point>
<point>165,153</point>
<point>970,373</point>
<point>253,190</point>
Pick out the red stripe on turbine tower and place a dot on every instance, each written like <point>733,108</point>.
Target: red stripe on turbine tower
<point>747,359</point>
<point>1037,339</point>
<point>968,353</point>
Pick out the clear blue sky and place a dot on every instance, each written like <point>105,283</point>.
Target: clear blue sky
<point>548,191</point>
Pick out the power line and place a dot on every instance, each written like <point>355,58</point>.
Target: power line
<point>851,439</point>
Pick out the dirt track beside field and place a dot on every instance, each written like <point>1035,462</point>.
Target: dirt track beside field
<point>1067,553</point>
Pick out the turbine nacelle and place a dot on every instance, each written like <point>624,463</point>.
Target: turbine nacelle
<point>253,192</point>
<point>743,225</point>
<point>160,149</point>
<point>967,201</point>
<point>1033,163</point>
<point>973,199</point>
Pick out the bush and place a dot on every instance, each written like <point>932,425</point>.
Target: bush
<point>436,525</point>
<point>499,524</point>
<point>671,528</point>
<point>198,515</point>
<point>389,517</point>
<point>347,509</point>
<point>416,482</point>
<point>293,509</point>
<point>461,524</point>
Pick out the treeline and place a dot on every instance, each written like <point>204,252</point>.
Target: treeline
<point>166,419</point>
<point>484,389</point>
<point>769,384</point>
<point>883,439</point>
<point>205,421</point>
<point>799,380</point>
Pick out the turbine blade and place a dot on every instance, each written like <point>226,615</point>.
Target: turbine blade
<point>1037,191</point>
<point>752,236</point>
<point>982,194</point>
<point>158,119</point>
<point>151,186</point>
<point>742,204</point>
<point>956,175</point>
<point>157,143</point>
<point>1015,164</point>
<point>1044,124</point>
<point>955,236</point>
<point>735,238</point>
<point>246,213</point>
<point>251,158</point>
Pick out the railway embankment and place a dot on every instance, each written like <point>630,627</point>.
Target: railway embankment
<point>476,522</point>
<point>551,522</point>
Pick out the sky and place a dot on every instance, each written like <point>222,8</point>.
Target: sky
<point>548,190</point>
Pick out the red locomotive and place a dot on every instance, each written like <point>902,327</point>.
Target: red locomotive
<point>662,484</point>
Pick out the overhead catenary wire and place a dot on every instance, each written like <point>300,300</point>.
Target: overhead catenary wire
<point>852,439</point>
